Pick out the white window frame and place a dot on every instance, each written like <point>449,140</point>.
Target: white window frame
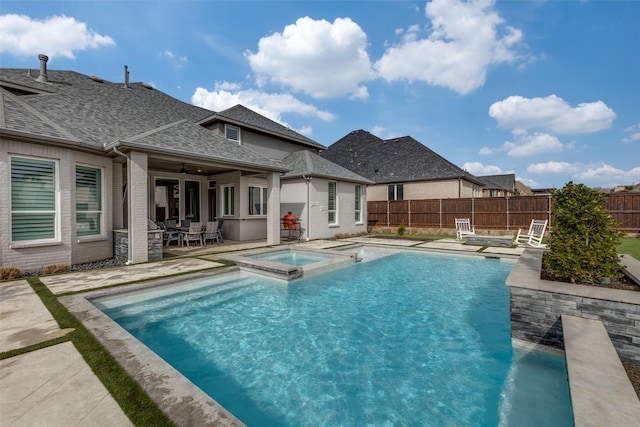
<point>56,210</point>
<point>358,203</point>
<point>101,233</point>
<point>226,210</point>
<point>332,211</point>
<point>198,195</point>
<point>262,211</point>
<point>228,128</point>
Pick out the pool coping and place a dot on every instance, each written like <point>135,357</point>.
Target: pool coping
<point>180,399</point>
<point>287,271</point>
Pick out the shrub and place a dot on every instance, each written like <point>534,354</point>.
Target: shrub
<point>401,230</point>
<point>55,268</point>
<point>8,273</point>
<point>582,241</point>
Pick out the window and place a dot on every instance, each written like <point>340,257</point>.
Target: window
<point>192,200</point>
<point>88,201</point>
<point>167,199</point>
<point>257,200</point>
<point>396,192</point>
<point>228,200</point>
<point>34,206</point>
<point>332,202</point>
<point>358,216</point>
<point>232,133</point>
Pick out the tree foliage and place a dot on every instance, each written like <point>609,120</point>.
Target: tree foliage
<point>583,241</point>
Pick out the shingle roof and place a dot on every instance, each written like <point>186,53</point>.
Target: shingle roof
<point>503,182</point>
<point>307,163</point>
<point>96,113</point>
<point>393,160</point>
<point>243,116</point>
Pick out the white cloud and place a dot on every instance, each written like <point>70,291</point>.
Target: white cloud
<point>552,167</point>
<point>466,38</point>
<point>319,58</point>
<point>531,145</point>
<point>592,172</point>
<point>477,168</point>
<point>384,133</point>
<point>53,36</point>
<point>525,145</point>
<point>552,113</point>
<point>269,105</point>
<point>177,61</point>
<point>635,133</point>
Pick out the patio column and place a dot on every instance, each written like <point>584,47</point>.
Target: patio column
<point>138,207</point>
<point>118,205</point>
<point>273,208</point>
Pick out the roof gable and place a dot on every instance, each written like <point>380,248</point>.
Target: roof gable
<point>393,160</point>
<point>244,117</point>
<point>305,163</point>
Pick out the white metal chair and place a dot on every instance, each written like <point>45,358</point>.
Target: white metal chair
<point>464,228</point>
<point>535,234</point>
<point>194,233</point>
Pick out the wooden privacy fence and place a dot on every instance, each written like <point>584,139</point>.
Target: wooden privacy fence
<point>501,213</point>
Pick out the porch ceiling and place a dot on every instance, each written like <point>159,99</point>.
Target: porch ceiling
<point>191,167</point>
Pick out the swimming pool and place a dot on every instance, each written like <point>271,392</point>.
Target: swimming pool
<point>408,339</point>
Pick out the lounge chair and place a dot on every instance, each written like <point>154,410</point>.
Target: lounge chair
<point>534,236</point>
<point>194,234</point>
<point>464,228</point>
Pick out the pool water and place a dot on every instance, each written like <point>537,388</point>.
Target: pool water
<point>407,339</point>
<point>297,258</point>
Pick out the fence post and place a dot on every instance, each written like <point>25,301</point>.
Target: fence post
<point>473,211</point>
<point>549,204</point>
<point>388,213</point>
<point>440,216</point>
<point>409,213</point>
<point>507,200</point>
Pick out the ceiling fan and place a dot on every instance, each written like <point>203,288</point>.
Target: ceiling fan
<point>184,170</point>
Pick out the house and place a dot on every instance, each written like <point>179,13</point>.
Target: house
<point>401,168</point>
<point>503,185</point>
<point>83,160</point>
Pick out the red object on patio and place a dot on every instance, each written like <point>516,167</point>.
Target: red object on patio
<point>289,222</point>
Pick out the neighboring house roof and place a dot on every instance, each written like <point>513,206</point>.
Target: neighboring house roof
<point>393,160</point>
<point>499,182</point>
<point>305,163</point>
<point>91,113</point>
<point>244,117</point>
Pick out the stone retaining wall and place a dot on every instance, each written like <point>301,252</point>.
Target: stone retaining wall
<point>121,244</point>
<point>537,305</point>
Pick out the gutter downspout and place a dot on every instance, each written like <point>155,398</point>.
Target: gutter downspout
<point>308,179</point>
<point>129,215</point>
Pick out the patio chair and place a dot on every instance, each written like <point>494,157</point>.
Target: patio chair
<point>464,228</point>
<point>218,237</point>
<point>168,235</point>
<point>535,234</point>
<point>194,234</point>
<point>170,223</point>
<point>210,232</point>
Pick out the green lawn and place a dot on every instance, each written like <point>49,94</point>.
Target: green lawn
<point>630,246</point>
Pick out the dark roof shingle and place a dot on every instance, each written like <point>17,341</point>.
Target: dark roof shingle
<point>393,160</point>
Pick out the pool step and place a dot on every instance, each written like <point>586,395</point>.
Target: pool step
<point>207,296</point>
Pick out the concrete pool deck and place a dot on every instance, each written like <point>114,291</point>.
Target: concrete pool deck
<point>54,386</point>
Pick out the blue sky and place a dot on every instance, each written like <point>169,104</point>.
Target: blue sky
<point>549,91</point>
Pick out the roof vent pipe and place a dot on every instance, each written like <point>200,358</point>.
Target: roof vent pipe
<point>126,76</point>
<point>43,68</point>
